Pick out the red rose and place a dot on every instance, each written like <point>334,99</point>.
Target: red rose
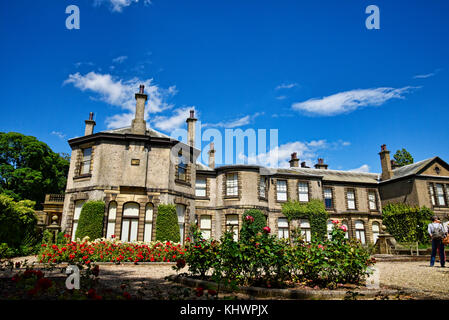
<point>267,229</point>
<point>212,292</point>
<point>127,295</point>
<point>199,291</point>
<point>91,293</point>
<point>44,283</point>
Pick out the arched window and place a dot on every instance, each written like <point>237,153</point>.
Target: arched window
<point>376,231</point>
<point>232,224</point>
<point>76,215</point>
<point>330,227</point>
<point>181,211</point>
<point>360,231</point>
<point>305,230</point>
<point>345,223</point>
<point>112,213</point>
<point>148,230</point>
<point>130,221</point>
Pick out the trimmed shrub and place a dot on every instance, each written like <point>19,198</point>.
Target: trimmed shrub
<point>314,211</point>
<point>405,223</point>
<point>90,223</point>
<point>167,228</point>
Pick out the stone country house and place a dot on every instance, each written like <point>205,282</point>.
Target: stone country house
<point>131,169</point>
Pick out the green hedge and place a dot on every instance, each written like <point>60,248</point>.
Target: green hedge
<point>90,222</point>
<point>406,223</point>
<point>313,210</point>
<point>167,228</point>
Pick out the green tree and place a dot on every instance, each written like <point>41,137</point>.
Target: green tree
<point>29,168</point>
<point>17,221</point>
<point>403,158</point>
<point>167,228</point>
<point>90,223</point>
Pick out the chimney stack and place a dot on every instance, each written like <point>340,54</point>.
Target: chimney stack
<point>320,164</point>
<point>138,125</point>
<point>191,128</point>
<point>90,124</point>
<point>294,161</point>
<point>303,165</point>
<point>385,162</point>
<point>212,156</point>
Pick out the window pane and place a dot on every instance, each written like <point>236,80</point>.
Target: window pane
<point>149,213</point>
<point>200,187</point>
<point>262,188</point>
<point>133,236</point>
<point>281,190</point>
<point>110,230</point>
<point>75,226</point>
<point>440,195</point>
<point>131,210</point>
<point>432,195</point>
<point>147,232</point>
<point>112,211</point>
<point>125,230</point>
<point>232,184</point>
<point>303,190</point>
<point>206,222</point>
<point>372,201</point>
<point>351,200</point>
<point>376,230</point>
<point>283,222</point>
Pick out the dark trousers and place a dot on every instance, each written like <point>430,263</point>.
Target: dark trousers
<point>437,244</point>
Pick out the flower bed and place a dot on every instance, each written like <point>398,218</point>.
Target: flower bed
<point>261,259</point>
<point>102,250</point>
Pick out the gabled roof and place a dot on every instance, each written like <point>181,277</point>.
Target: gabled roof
<point>415,168</point>
<point>127,130</point>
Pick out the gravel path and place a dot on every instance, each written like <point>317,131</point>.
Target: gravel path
<point>149,281</point>
<point>416,276</point>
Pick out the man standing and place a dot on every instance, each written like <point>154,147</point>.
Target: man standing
<point>437,233</point>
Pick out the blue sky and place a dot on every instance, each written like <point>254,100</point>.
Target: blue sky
<point>310,69</point>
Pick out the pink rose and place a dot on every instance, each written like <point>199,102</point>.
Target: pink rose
<point>343,228</point>
<point>267,229</point>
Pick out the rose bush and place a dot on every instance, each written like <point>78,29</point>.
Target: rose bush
<point>260,258</point>
<point>103,250</point>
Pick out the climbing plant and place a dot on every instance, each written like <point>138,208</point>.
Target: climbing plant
<point>313,210</point>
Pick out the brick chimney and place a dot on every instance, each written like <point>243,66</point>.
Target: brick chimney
<point>320,164</point>
<point>90,124</point>
<point>191,128</point>
<point>138,125</point>
<point>212,156</point>
<point>385,162</point>
<point>294,161</point>
<point>394,165</point>
<point>303,165</point>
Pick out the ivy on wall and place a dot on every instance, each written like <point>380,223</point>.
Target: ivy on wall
<point>406,223</point>
<point>313,210</point>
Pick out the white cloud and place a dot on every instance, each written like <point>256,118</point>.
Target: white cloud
<point>120,59</point>
<point>286,86</point>
<point>364,168</point>
<point>177,120</point>
<point>59,134</point>
<point>281,97</point>
<point>234,123</point>
<point>118,92</point>
<point>118,5</point>
<point>348,101</point>
<point>427,75</point>
<point>280,156</point>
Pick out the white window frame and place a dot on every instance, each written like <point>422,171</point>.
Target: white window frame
<point>360,231</point>
<point>328,196</point>
<point>263,187</point>
<point>233,224</point>
<point>440,194</point>
<point>181,212</point>
<point>281,190</point>
<point>148,227</point>
<point>232,184</point>
<point>372,200</point>
<point>303,191</point>
<point>206,226</point>
<point>87,159</point>
<point>76,215</point>
<point>306,231</point>
<point>432,195</point>
<point>130,222</point>
<point>351,200</point>
<point>283,228</point>
<point>201,187</point>
<point>375,227</point>
<point>112,216</point>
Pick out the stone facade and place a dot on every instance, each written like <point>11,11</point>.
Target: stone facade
<point>141,166</point>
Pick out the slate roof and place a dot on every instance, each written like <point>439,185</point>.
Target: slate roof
<point>127,130</point>
<point>410,169</point>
